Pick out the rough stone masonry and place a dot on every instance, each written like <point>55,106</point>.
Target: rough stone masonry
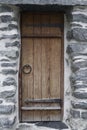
<point>9,65</point>
<point>77,51</point>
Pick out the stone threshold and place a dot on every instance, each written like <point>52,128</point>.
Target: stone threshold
<point>44,125</point>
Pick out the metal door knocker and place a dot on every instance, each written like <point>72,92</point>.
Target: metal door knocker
<point>26,69</point>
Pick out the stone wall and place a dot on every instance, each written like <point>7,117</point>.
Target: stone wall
<point>75,98</point>
<point>9,66</point>
<point>45,2</point>
<point>77,52</point>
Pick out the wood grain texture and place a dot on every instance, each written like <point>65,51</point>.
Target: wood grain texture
<point>45,67</point>
<point>27,80</point>
<point>37,67</point>
<point>27,58</point>
<point>45,57</point>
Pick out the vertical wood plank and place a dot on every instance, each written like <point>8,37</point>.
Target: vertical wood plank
<point>27,82</point>
<point>62,71</point>
<point>55,67</point>
<point>55,60</point>
<point>37,67</point>
<point>45,67</point>
<point>45,77</point>
<point>27,58</point>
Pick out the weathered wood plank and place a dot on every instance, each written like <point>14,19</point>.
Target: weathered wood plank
<point>45,100</point>
<point>40,108</point>
<point>42,86</point>
<point>37,67</point>
<point>27,58</point>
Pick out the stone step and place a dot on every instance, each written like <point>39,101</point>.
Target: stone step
<point>55,125</point>
<point>39,128</point>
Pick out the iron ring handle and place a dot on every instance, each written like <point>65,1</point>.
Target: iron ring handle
<point>28,67</point>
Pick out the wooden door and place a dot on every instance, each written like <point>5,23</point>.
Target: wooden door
<point>42,65</point>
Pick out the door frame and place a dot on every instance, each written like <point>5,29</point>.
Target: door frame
<point>61,73</point>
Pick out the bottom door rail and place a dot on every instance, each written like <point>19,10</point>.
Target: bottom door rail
<point>40,108</point>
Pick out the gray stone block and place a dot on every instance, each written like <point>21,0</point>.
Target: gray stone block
<point>76,25</point>
<point>8,64</point>
<point>9,71</point>
<point>79,18</point>
<point>81,74</point>
<point>1,101</point>
<point>14,44</point>
<point>80,95</point>
<point>7,109</point>
<point>75,66</point>
<point>75,51</point>
<point>3,29</point>
<point>7,94</point>
<point>75,114</point>
<point>85,128</point>
<point>4,60</point>
<point>76,82</point>
<point>5,122</point>
<point>9,81</point>
<point>84,115</point>
<point>10,54</point>
<point>78,34</point>
<point>74,78</point>
<point>77,48</point>
<point>12,26</point>
<point>6,18</point>
<point>9,28</point>
<point>45,2</point>
<point>79,105</point>
<point>77,56</point>
<point>11,99</point>
<point>78,86</point>
<point>5,8</point>
<point>10,36</point>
